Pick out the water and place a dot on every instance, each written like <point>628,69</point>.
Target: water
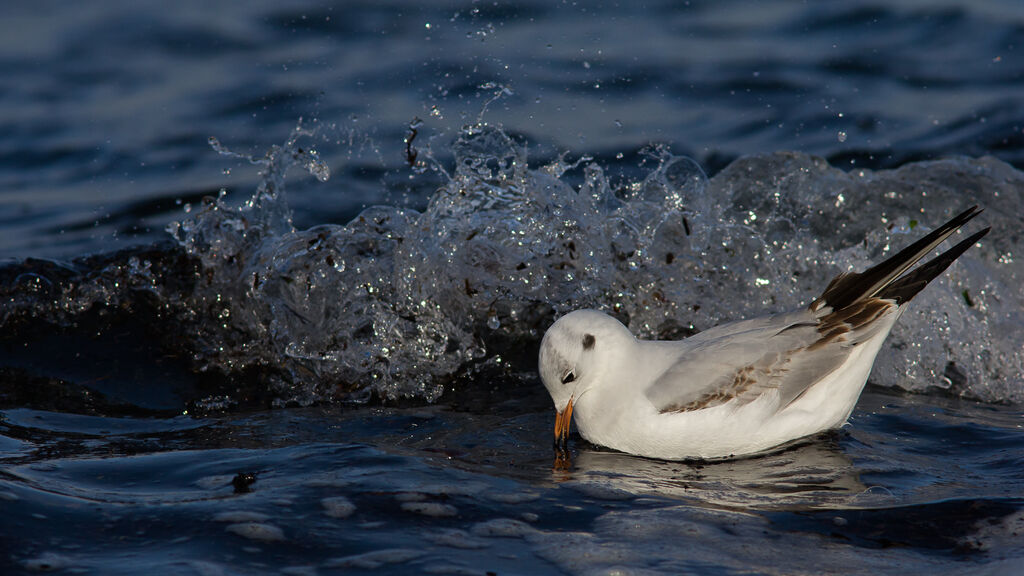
<point>915,484</point>
<point>281,379</point>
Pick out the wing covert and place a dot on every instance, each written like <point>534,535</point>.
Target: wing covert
<point>788,353</point>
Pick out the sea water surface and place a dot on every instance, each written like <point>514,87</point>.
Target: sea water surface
<point>275,278</point>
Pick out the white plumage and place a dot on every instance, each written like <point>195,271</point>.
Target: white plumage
<point>738,388</point>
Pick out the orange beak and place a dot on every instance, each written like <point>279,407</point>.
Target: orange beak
<point>562,421</point>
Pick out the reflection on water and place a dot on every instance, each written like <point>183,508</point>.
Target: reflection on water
<point>814,473</point>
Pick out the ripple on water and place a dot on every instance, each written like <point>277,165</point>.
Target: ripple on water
<point>358,488</point>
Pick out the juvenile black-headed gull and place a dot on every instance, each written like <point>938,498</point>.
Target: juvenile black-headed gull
<point>738,388</point>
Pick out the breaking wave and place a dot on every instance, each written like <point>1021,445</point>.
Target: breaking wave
<point>401,303</point>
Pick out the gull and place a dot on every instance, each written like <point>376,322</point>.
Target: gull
<point>738,388</point>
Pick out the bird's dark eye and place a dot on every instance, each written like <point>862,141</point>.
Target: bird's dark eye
<point>569,377</point>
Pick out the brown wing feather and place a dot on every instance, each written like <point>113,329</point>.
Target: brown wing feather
<point>805,349</point>
<point>795,370</point>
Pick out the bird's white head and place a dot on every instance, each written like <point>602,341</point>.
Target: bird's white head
<point>574,355</point>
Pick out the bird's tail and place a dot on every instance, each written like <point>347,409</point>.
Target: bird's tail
<point>890,279</point>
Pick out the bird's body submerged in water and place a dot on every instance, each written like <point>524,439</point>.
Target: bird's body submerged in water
<point>738,388</point>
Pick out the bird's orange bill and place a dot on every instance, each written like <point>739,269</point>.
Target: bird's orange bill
<point>562,421</point>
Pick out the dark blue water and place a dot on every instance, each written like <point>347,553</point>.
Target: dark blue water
<point>143,429</point>
<point>107,107</point>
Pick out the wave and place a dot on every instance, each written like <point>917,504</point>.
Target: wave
<point>399,303</point>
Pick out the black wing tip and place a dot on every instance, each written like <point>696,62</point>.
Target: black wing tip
<point>881,279</point>
<point>907,286</point>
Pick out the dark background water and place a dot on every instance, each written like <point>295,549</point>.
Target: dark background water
<point>105,113</point>
<point>106,107</point>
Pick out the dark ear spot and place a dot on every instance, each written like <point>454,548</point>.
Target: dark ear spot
<point>589,341</point>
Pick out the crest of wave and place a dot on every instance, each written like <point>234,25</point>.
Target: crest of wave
<point>401,303</point>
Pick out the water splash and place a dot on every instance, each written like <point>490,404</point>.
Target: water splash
<point>399,302</point>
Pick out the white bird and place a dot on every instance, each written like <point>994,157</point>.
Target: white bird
<point>738,388</point>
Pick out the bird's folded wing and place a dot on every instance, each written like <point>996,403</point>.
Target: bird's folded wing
<point>784,355</point>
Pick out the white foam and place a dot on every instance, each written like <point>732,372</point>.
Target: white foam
<point>375,559</point>
<point>338,506</point>
<point>503,528</point>
<point>257,531</point>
